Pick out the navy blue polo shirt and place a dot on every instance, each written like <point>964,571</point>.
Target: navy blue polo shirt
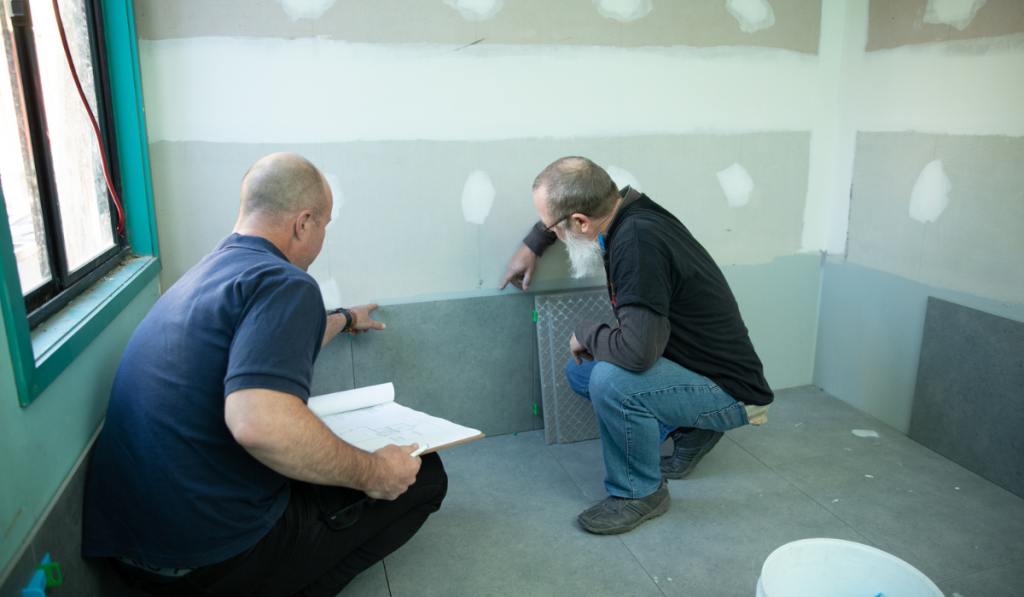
<point>169,485</point>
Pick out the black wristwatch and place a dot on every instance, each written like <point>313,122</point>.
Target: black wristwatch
<point>348,318</point>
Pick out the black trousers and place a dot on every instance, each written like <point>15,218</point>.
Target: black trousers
<point>303,555</point>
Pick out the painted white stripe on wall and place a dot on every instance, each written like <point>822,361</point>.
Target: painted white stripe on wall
<point>259,90</point>
<point>971,87</point>
<point>224,89</point>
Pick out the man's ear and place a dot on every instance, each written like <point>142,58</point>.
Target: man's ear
<point>303,224</point>
<point>582,221</point>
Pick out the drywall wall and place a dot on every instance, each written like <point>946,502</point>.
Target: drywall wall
<point>943,210</point>
<point>40,443</point>
<point>352,83</point>
<point>894,24</point>
<point>934,197</point>
<point>408,198</point>
<point>696,23</point>
<point>869,336</point>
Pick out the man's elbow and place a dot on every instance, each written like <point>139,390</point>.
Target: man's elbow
<point>245,423</point>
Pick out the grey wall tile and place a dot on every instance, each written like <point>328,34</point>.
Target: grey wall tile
<point>971,368</point>
<point>932,513</point>
<point>333,369</point>
<point>870,327</point>
<point>892,24</point>
<point>571,22</point>
<point>468,360</point>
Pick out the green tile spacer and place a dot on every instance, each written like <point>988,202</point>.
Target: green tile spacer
<point>52,571</point>
<point>534,316</point>
<point>535,408</point>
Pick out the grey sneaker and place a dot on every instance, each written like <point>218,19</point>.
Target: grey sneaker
<point>689,448</point>
<point>617,515</point>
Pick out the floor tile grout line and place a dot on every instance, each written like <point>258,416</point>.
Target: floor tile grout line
<point>823,507</point>
<point>1020,561</point>
<point>642,567</point>
<point>867,447</point>
<point>572,478</point>
<point>387,580</point>
<point>816,502</point>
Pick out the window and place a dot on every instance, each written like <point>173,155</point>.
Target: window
<point>66,226</point>
<point>65,327</point>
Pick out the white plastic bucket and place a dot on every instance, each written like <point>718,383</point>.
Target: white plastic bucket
<point>835,568</point>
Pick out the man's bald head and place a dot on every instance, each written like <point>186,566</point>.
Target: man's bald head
<point>282,184</point>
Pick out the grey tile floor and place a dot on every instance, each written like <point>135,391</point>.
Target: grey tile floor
<point>508,526</point>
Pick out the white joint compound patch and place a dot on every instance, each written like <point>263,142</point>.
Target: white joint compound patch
<point>931,193</point>
<point>476,10</point>
<point>305,9</point>
<point>958,13</point>
<point>623,10</point>
<point>623,178</point>
<point>752,15</point>
<point>477,197</point>
<point>737,184</point>
<point>865,433</point>
<point>339,198</point>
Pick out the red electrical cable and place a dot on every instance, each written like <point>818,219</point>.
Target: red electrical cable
<point>92,118</point>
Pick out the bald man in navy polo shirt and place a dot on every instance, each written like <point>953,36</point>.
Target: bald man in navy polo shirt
<point>211,475</point>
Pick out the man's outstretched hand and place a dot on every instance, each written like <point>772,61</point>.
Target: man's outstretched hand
<point>361,321</point>
<point>520,269</point>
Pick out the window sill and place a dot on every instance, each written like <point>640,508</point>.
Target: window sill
<point>60,339</point>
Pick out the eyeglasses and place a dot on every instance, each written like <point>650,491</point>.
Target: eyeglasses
<point>348,516</point>
<point>562,219</point>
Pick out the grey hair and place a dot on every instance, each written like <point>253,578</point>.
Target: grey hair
<point>577,185</point>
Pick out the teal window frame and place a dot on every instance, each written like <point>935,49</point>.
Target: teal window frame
<point>39,356</point>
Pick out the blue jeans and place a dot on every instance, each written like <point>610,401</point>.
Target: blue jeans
<point>636,412</point>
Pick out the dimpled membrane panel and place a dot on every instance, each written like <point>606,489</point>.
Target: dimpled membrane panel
<point>568,417</point>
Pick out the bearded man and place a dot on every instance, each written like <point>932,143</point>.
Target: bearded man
<point>680,362</point>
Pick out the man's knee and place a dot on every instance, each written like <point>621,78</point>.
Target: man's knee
<point>604,381</point>
<point>431,483</point>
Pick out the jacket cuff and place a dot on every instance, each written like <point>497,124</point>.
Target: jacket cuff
<point>538,240</point>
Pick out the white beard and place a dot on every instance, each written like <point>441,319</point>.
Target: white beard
<point>585,256</point>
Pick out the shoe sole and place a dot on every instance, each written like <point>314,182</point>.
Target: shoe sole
<point>661,509</point>
<point>693,463</point>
